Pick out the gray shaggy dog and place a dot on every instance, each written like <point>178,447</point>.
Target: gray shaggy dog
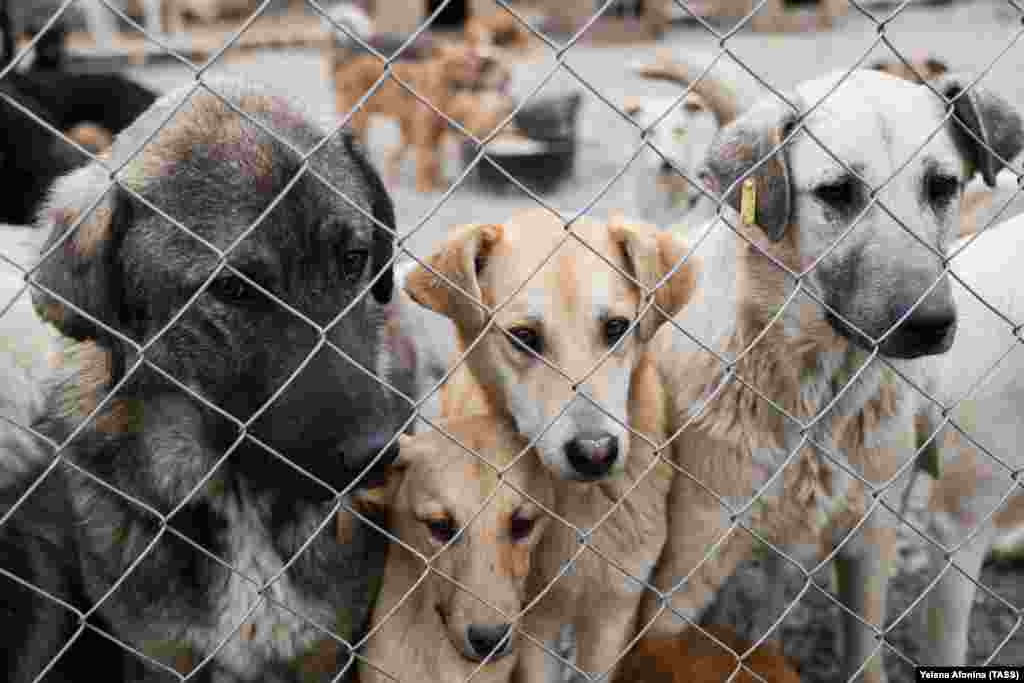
<point>212,432</point>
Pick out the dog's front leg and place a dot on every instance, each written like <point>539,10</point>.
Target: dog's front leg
<point>948,606</point>
<point>863,568</point>
<point>700,546</point>
<point>700,549</point>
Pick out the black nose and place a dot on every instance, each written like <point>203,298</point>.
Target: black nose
<point>485,638</point>
<point>928,331</point>
<point>593,458</point>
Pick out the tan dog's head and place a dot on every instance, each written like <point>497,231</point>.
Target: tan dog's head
<point>453,502</point>
<point>559,357</point>
<point>879,271</point>
<point>920,69</point>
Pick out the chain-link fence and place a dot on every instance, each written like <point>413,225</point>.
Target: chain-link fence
<point>798,396</point>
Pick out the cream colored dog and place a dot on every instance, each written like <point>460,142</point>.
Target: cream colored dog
<point>451,503</point>
<point>980,380</point>
<point>563,360</point>
<point>795,424</point>
<point>679,134</point>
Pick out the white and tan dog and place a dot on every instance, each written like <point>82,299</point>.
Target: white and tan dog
<point>564,363</point>
<point>680,133</point>
<point>484,531</point>
<point>980,381</point>
<point>801,422</point>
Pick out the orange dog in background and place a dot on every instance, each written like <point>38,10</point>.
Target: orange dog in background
<point>499,29</point>
<point>695,657</point>
<point>451,71</point>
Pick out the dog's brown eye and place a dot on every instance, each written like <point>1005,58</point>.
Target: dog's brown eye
<point>442,529</point>
<point>526,337</point>
<point>520,526</point>
<point>614,329</point>
<point>693,107</point>
<point>941,189</point>
<point>353,263</point>
<point>233,289</point>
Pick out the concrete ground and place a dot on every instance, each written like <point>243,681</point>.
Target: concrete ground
<point>967,35</point>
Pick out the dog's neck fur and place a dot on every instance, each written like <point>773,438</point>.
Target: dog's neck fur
<point>800,363</point>
<point>226,515</point>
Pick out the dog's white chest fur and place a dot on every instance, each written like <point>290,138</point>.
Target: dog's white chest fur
<point>258,630</point>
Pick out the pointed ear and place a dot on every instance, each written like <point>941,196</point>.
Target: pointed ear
<point>749,148</point>
<point>651,255</point>
<point>461,259</point>
<point>82,269</point>
<point>990,119</point>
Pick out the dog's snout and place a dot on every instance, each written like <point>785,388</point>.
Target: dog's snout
<point>488,640</point>
<point>927,332</point>
<point>594,457</point>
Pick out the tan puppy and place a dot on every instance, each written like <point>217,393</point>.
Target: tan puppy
<point>451,69</point>
<point>451,503</point>
<point>571,327</point>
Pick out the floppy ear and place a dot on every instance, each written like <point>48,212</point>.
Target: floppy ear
<point>740,147</point>
<point>82,269</point>
<point>991,119</point>
<point>382,251</point>
<point>383,209</point>
<point>651,255</point>
<point>460,259</point>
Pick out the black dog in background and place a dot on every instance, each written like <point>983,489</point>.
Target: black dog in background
<point>32,157</point>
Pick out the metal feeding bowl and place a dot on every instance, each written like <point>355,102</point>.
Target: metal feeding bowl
<point>540,154</point>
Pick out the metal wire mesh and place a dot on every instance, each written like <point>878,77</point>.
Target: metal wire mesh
<point>811,433</point>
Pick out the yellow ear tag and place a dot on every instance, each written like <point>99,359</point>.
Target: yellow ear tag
<point>968,171</point>
<point>748,202</point>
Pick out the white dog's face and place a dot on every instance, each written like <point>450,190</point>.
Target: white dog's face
<point>878,269</point>
<point>681,137</point>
